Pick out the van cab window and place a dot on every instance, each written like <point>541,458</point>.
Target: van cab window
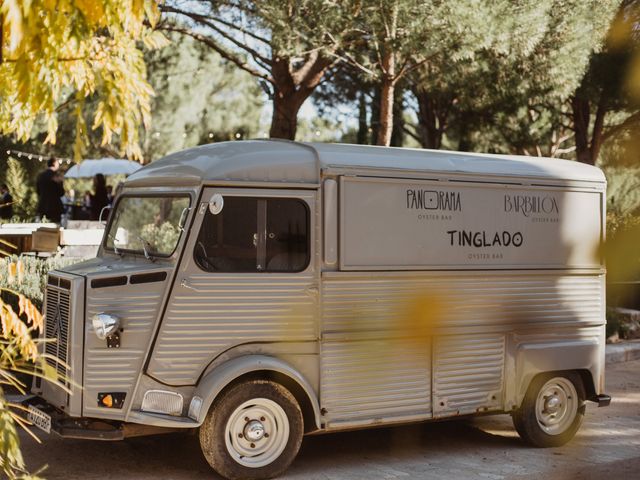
<point>146,223</point>
<point>255,235</point>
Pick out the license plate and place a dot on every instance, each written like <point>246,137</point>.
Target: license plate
<point>39,419</point>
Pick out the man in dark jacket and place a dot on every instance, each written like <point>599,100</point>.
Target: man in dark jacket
<point>50,190</point>
<point>6,202</point>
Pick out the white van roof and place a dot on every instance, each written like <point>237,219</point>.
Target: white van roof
<point>287,162</point>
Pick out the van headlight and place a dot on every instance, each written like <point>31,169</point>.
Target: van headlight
<point>105,324</point>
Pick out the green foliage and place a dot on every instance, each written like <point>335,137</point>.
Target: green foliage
<point>623,190</point>
<point>24,196</point>
<point>511,95</point>
<point>51,48</point>
<point>22,283</point>
<point>616,323</point>
<point>32,281</point>
<point>200,98</point>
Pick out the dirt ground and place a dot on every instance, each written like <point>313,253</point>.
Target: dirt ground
<point>607,446</point>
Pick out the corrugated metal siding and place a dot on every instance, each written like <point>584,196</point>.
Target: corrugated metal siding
<point>468,374</point>
<point>468,314</point>
<point>223,310</point>
<point>357,302</point>
<point>375,379</point>
<point>117,369</point>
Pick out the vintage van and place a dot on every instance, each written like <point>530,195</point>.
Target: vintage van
<point>263,290</point>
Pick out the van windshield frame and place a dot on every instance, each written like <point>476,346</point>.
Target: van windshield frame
<point>160,237</point>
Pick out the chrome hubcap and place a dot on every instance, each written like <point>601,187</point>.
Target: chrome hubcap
<point>552,404</point>
<point>254,430</point>
<point>257,432</point>
<point>557,406</point>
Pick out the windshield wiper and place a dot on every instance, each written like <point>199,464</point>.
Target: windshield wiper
<point>115,249</point>
<point>145,245</point>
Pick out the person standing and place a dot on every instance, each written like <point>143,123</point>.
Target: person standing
<point>6,202</point>
<point>99,199</point>
<point>50,191</point>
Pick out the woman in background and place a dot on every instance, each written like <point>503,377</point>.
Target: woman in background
<point>99,199</point>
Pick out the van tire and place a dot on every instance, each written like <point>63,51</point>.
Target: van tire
<point>260,415</point>
<point>552,410</point>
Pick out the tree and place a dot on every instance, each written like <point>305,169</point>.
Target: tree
<point>200,98</point>
<point>609,85</point>
<point>23,195</point>
<point>49,49</point>
<point>19,353</point>
<point>288,46</point>
<point>511,96</point>
<point>405,35</point>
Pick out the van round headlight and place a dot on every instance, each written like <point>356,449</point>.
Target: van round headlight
<point>105,324</point>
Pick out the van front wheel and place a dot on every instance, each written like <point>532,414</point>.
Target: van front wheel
<point>252,431</point>
<point>552,410</point>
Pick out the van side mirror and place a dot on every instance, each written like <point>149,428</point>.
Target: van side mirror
<point>104,209</point>
<point>183,218</point>
<point>216,203</point>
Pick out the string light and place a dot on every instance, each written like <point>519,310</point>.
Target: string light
<point>35,156</point>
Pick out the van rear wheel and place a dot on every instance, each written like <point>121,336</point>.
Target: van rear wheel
<point>552,410</point>
<point>252,431</point>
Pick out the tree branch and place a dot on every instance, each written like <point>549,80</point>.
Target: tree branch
<point>203,20</point>
<point>628,122</point>
<point>221,51</point>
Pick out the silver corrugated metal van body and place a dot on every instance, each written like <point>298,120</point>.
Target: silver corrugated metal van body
<point>260,290</point>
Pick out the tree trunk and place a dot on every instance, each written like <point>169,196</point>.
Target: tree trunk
<point>464,140</point>
<point>598,128</point>
<point>430,124</point>
<point>386,110</point>
<point>362,136</point>
<point>284,120</point>
<point>291,88</point>
<point>397,132</point>
<point>375,115</point>
<point>581,114</point>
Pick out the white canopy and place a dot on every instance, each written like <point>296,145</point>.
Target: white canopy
<point>105,166</point>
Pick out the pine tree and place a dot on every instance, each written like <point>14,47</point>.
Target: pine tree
<point>24,205</point>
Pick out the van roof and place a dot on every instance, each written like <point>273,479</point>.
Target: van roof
<point>287,162</point>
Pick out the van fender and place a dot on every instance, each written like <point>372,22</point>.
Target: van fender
<point>535,358</point>
<point>217,379</point>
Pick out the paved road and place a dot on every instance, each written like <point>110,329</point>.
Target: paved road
<point>486,448</point>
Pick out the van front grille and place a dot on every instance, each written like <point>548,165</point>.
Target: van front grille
<point>57,311</point>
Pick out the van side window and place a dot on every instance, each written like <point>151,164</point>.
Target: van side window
<point>255,235</point>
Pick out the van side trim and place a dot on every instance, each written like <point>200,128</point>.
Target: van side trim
<point>215,381</point>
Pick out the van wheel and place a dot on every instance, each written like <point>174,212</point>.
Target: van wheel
<point>552,410</point>
<point>253,431</point>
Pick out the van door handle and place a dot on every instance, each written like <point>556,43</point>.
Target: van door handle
<point>312,291</point>
<point>185,284</point>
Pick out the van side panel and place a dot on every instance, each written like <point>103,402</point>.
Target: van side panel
<point>209,313</point>
<point>385,332</point>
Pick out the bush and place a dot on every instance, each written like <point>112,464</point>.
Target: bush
<point>28,275</point>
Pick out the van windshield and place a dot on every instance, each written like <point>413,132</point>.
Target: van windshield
<point>147,223</point>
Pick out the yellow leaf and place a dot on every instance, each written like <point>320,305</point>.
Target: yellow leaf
<point>155,40</point>
<point>92,10</point>
<point>13,19</point>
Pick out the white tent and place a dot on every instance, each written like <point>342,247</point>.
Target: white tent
<point>105,166</point>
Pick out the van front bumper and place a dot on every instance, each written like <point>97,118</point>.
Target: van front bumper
<point>91,428</point>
